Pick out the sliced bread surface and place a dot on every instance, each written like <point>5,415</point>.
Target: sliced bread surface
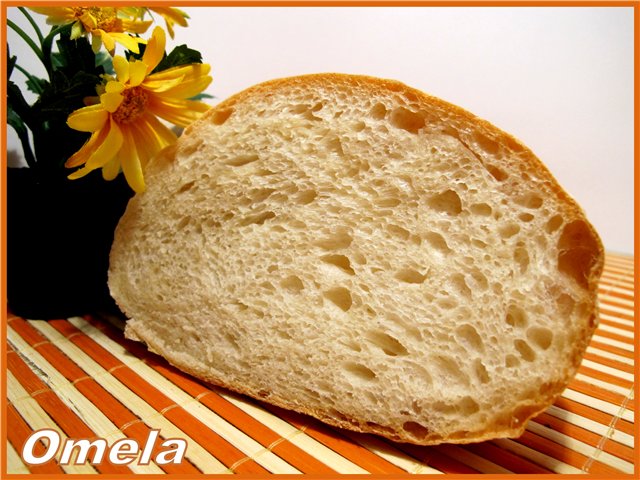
<point>354,249</point>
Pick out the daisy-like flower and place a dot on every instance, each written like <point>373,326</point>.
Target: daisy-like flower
<point>125,130</point>
<point>107,25</point>
<point>171,15</point>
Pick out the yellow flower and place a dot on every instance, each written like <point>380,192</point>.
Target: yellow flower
<point>107,25</point>
<point>125,130</point>
<point>171,15</point>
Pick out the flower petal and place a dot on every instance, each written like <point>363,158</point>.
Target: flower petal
<point>192,69</point>
<point>126,40</point>
<point>162,85</point>
<point>111,168</point>
<point>137,72</point>
<point>114,87</point>
<point>108,148</point>
<point>88,119</point>
<point>186,89</point>
<point>130,162</point>
<point>107,40</point>
<point>111,101</point>
<point>81,172</point>
<point>121,67</point>
<point>155,49</point>
<point>77,30</point>
<point>54,11</point>
<point>178,112</point>
<point>153,136</point>
<point>88,21</point>
<point>136,26</point>
<point>82,155</point>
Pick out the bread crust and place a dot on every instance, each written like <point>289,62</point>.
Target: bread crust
<point>466,125</point>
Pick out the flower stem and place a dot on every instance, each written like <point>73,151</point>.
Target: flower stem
<point>33,23</point>
<point>26,38</point>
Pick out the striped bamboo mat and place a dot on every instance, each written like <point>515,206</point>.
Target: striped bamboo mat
<point>79,377</point>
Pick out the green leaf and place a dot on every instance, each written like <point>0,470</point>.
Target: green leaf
<point>20,128</point>
<point>180,55</point>
<point>36,85</point>
<point>202,96</point>
<point>104,61</point>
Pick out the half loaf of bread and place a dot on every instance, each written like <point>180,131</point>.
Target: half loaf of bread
<point>356,250</point>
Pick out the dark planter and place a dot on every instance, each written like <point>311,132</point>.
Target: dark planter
<point>59,234</point>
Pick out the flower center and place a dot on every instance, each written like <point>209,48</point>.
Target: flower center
<point>106,18</point>
<point>133,105</point>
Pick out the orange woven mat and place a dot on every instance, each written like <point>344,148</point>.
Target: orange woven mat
<point>80,377</point>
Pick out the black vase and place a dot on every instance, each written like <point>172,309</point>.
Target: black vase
<point>59,234</point>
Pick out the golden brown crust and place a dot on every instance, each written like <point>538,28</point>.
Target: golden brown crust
<point>584,246</point>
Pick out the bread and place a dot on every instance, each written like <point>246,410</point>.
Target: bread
<point>356,250</point>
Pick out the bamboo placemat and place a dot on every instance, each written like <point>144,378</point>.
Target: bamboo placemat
<point>80,377</point>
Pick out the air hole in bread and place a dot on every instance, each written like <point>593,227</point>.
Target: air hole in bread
<point>241,160</point>
<point>257,219</point>
<point>450,371</point>
<point>530,200</point>
<point>231,341</point>
<point>540,336</point>
<point>409,275</point>
<point>340,296</point>
<point>447,303</point>
<point>516,317</point>
<point>526,217</point>
<point>388,344</point>
<point>521,256</point>
<point>578,252</point>
<point>386,202</point>
<point>220,116</point>
<point>340,261</point>
<point>306,111</point>
<point>497,173</point>
<point>469,335</point>
<point>184,221</point>
<point>186,187</point>
<point>478,243</point>
<point>482,209</point>
<point>554,223</point>
<point>509,230</point>
<point>468,406</point>
<point>337,241</point>
<point>292,283</point>
<point>406,120</point>
<point>459,285</point>
<point>259,195</point>
<point>511,361</point>
<point>380,428</point>
<point>446,202</point>
<point>416,430</point>
<point>485,143</point>
<point>437,242</point>
<point>379,111</point>
<point>359,371</point>
<point>565,304</point>
<point>358,126</point>
<point>352,345</point>
<point>480,281</point>
<point>525,351</point>
<point>333,144</point>
<point>403,233</point>
<point>284,335</point>
<point>481,371</point>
